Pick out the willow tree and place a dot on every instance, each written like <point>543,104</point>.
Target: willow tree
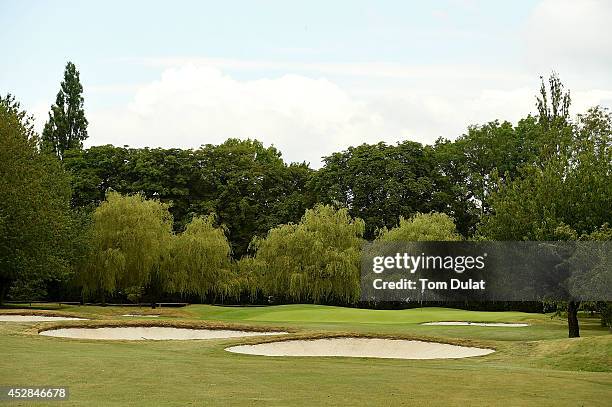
<point>198,261</point>
<point>315,260</point>
<point>245,280</point>
<point>422,227</point>
<point>129,236</point>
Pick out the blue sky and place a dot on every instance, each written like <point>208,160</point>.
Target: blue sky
<point>309,77</point>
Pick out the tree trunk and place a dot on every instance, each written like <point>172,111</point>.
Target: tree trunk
<point>572,319</point>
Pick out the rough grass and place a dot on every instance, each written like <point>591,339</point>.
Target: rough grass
<point>535,365</point>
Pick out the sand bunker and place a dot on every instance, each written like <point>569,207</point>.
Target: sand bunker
<point>362,347</point>
<point>140,315</point>
<point>464,323</point>
<point>34,318</point>
<point>154,333</point>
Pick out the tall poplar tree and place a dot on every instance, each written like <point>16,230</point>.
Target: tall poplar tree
<point>67,126</point>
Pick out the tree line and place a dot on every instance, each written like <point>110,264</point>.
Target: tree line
<point>235,222</point>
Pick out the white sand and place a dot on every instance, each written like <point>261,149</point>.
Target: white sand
<point>458,323</point>
<point>361,347</point>
<point>154,333</point>
<point>140,315</point>
<point>35,318</point>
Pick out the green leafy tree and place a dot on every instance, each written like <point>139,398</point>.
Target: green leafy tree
<point>553,103</point>
<point>245,281</point>
<point>422,227</point>
<point>315,260</point>
<point>468,168</point>
<point>452,188</point>
<point>97,170</point>
<point>571,190</point>
<point>35,218</point>
<point>198,261</point>
<point>130,234</point>
<point>379,183</point>
<point>28,291</point>
<point>67,126</point>
<point>567,192</point>
<point>247,186</point>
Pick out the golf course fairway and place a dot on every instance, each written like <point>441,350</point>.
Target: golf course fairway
<point>535,365</point>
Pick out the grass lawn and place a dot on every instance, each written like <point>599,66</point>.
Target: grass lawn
<point>533,365</point>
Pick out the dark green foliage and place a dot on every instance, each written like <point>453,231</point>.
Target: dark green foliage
<point>605,311</point>
<point>379,183</point>
<point>247,186</point>
<point>568,194</point>
<point>36,226</point>
<point>67,126</point>
<point>470,167</point>
<point>27,290</point>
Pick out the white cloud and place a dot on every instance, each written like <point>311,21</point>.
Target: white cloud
<point>570,36</point>
<point>193,105</point>
<point>448,72</point>
<point>309,109</point>
<point>306,117</point>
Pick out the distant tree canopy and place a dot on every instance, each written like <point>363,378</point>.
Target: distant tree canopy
<point>315,260</point>
<point>251,189</point>
<point>36,228</point>
<point>379,183</point>
<point>247,186</point>
<point>67,126</point>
